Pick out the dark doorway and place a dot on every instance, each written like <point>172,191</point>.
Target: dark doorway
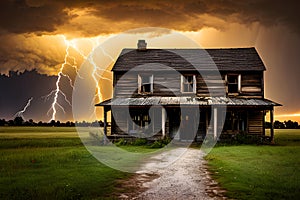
<point>174,121</point>
<point>188,123</point>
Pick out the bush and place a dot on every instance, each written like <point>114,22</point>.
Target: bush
<point>161,143</point>
<point>120,142</point>
<point>157,144</point>
<point>248,139</point>
<point>166,140</point>
<point>140,142</point>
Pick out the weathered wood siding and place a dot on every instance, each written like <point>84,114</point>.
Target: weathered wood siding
<point>210,85</point>
<point>166,84</point>
<point>122,126</point>
<point>123,87</point>
<point>255,122</point>
<point>252,85</point>
<point>169,84</point>
<point>163,85</point>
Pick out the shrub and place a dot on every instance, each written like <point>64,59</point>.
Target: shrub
<point>161,143</point>
<point>248,139</point>
<point>120,142</point>
<point>139,142</point>
<point>157,144</point>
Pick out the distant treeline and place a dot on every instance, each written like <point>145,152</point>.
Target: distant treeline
<point>19,121</point>
<point>284,125</point>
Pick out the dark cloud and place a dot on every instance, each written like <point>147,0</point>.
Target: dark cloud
<point>22,22</point>
<point>18,52</point>
<point>100,17</point>
<point>21,17</point>
<point>29,29</point>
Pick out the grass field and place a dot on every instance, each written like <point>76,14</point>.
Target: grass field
<point>52,163</point>
<point>259,172</point>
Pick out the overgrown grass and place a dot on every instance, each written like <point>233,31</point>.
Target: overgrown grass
<point>52,164</point>
<point>259,172</point>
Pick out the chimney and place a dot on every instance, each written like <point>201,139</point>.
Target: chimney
<point>142,45</point>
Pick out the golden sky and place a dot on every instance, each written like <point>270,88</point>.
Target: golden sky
<point>36,33</point>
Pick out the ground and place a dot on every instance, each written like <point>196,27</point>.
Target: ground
<point>186,178</point>
<point>52,163</point>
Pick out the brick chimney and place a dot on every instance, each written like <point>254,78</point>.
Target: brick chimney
<point>141,45</point>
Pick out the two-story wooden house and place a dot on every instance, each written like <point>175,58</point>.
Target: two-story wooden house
<point>237,84</point>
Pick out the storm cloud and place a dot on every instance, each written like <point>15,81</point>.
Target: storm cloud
<point>32,32</point>
<point>91,18</point>
<point>26,26</point>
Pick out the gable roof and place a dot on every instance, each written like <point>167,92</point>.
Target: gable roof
<point>231,59</point>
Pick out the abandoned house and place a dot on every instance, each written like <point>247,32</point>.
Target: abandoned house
<point>162,82</point>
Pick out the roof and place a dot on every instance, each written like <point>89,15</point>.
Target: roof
<point>202,101</point>
<point>230,59</point>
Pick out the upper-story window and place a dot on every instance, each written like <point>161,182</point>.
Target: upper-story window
<point>233,83</point>
<point>145,83</point>
<point>188,84</point>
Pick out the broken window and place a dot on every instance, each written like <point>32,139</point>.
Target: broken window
<point>188,83</point>
<point>145,84</point>
<point>233,83</point>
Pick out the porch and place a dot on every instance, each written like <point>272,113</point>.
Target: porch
<point>191,119</point>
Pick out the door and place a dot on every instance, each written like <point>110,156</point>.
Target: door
<point>174,121</point>
<point>188,125</point>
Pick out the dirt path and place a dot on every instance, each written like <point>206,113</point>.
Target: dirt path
<point>186,178</point>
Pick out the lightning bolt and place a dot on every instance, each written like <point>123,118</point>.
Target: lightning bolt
<point>21,112</point>
<point>57,89</point>
<point>95,75</point>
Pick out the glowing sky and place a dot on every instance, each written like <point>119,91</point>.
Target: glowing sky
<point>35,34</point>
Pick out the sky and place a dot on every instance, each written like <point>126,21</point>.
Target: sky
<point>47,35</point>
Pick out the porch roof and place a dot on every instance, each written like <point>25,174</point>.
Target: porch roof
<point>202,101</point>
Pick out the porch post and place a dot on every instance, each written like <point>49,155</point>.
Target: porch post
<point>163,122</point>
<point>215,123</point>
<point>272,124</point>
<point>105,121</point>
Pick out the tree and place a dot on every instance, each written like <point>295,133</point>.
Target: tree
<point>18,121</point>
<point>52,123</point>
<point>2,122</point>
<point>278,124</point>
<point>290,124</point>
<point>31,121</point>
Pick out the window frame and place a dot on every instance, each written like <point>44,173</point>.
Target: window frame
<point>140,83</point>
<point>182,83</point>
<point>239,81</point>
<point>141,122</point>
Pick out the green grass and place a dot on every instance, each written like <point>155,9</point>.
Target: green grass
<point>259,172</point>
<point>51,163</point>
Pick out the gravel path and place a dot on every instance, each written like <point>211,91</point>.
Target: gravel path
<point>186,178</point>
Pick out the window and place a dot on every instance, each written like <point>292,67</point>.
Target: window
<point>188,83</point>
<point>233,83</point>
<point>235,121</point>
<point>142,120</point>
<point>145,84</point>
